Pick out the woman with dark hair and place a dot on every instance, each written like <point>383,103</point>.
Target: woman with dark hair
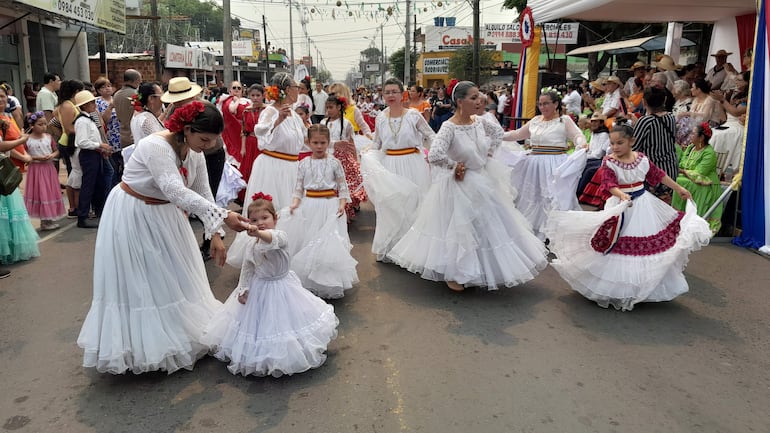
<point>149,111</point>
<point>704,107</point>
<point>729,137</point>
<point>151,294</point>
<point>467,231</point>
<point>305,98</point>
<point>64,120</point>
<point>442,109</point>
<point>418,102</point>
<point>655,136</point>
<point>534,172</point>
<point>698,174</point>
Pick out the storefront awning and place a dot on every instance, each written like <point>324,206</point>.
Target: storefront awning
<point>638,45</point>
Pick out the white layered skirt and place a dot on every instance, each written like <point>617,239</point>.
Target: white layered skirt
<point>273,176</point>
<point>320,247</point>
<point>545,183</point>
<point>646,264</point>
<point>470,232</point>
<point>282,329</point>
<point>394,194</point>
<point>151,294</point>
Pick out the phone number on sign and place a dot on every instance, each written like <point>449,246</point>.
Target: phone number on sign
<point>74,10</point>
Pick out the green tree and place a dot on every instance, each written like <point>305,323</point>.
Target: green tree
<point>323,76</point>
<point>396,62</point>
<point>461,64</point>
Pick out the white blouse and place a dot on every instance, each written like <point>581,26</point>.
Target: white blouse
<point>339,131</point>
<point>154,170</point>
<point>552,133</point>
<point>288,137</point>
<point>263,260</point>
<point>41,146</point>
<point>408,130</point>
<point>321,174</point>
<point>470,144</point>
<point>143,124</point>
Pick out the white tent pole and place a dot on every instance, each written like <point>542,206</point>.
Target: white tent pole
<point>673,40</point>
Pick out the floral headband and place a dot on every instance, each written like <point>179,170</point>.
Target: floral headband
<point>706,129</point>
<point>550,89</point>
<point>184,115</point>
<point>263,196</point>
<point>34,117</point>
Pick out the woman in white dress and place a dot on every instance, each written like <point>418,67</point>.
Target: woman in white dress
<point>281,136</point>
<point>148,118</point>
<point>396,174</point>
<point>543,183</point>
<point>467,231</point>
<point>151,294</point>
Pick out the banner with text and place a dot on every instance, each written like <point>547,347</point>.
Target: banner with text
<point>106,14</point>
<point>435,66</point>
<point>244,48</point>
<point>509,33</point>
<point>451,39</point>
<point>189,58</point>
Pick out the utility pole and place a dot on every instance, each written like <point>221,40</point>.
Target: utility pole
<point>383,68</point>
<point>414,49</point>
<point>155,43</point>
<point>291,41</point>
<point>407,45</point>
<point>267,52</point>
<point>227,44</point>
<point>476,43</point>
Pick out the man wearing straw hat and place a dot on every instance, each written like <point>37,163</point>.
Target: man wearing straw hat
<point>716,75</point>
<point>638,69</point>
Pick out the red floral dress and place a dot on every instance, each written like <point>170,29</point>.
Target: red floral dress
<point>342,132</point>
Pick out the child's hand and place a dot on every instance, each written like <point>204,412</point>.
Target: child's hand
<point>624,197</point>
<point>293,207</point>
<point>243,297</point>
<point>252,231</point>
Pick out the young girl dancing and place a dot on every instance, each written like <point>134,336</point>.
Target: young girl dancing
<point>345,150</point>
<point>318,233</point>
<point>270,325</point>
<point>42,196</point>
<point>396,175</point>
<point>636,249</point>
<point>467,231</point>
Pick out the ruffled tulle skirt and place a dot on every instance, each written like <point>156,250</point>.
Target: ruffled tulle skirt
<point>545,182</point>
<point>43,193</point>
<point>282,329</point>
<point>320,247</point>
<point>272,176</point>
<point>151,294</point>
<point>18,238</point>
<point>395,196</point>
<point>470,232</point>
<point>646,263</point>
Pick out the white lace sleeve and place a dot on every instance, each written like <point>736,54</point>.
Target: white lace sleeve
<point>247,270</point>
<point>279,241</point>
<point>573,132</point>
<point>377,142</point>
<point>264,128</point>
<point>427,132</point>
<point>201,185</point>
<point>339,177</point>
<point>362,125</point>
<point>162,166</point>
<point>519,134</point>
<point>438,151</point>
<point>495,133</point>
<point>150,125</point>
<point>299,187</point>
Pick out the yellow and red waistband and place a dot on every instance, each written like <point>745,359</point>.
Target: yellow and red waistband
<point>281,155</point>
<point>402,152</point>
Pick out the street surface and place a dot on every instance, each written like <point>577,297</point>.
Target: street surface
<point>412,356</point>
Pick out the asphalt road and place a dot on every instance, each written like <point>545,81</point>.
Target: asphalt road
<point>412,356</point>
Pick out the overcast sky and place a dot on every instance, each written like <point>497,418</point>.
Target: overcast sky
<point>340,39</point>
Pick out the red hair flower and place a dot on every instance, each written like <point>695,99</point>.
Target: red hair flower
<point>273,93</point>
<point>706,129</point>
<point>261,195</point>
<point>184,115</point>
<point>308,79</point>
<point>343,101</point>
<point>451,87</point>
<point>136,101</point>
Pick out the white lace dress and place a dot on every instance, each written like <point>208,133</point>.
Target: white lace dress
<point>318,239</point>
<point>143,124</point>
<point>151,294</point>
<point>650,241</point>
<point>282,328</point>
<point>469,231</point>
<point>394,179</point>
<point>545,176</point>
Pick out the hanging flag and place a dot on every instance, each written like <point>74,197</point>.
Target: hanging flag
<point>755,192</point>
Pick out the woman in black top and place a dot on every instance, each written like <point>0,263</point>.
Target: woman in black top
<point>442,109</point>
<point>655,135</point>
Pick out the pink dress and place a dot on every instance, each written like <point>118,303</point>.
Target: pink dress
<point>42,196</point>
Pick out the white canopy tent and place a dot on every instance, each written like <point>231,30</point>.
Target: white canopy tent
<point>648,11</point>
<point>651,43</point>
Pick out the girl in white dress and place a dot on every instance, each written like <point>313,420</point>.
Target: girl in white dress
<point>320,246</point>
<point>545,176</point>
<point>270,325</point>
<point>151,294</point>
<point>467,231</point>
<point>396,174</point>
<point>636,249</point>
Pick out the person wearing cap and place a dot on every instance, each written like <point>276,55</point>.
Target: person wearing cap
<point>716,75</point>
<point>638,69</point>
<point>89,142</point>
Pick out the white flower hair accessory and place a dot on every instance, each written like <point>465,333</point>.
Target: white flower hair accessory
<point>550,89</point>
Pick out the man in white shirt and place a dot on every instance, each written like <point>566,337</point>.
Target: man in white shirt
<point>46,97</point>
<point>612,105</point>
<point>319,100</point>
<point>502,98</point>
<point>639,69</point>
<point>573,100</point>
<point>716,75</point>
